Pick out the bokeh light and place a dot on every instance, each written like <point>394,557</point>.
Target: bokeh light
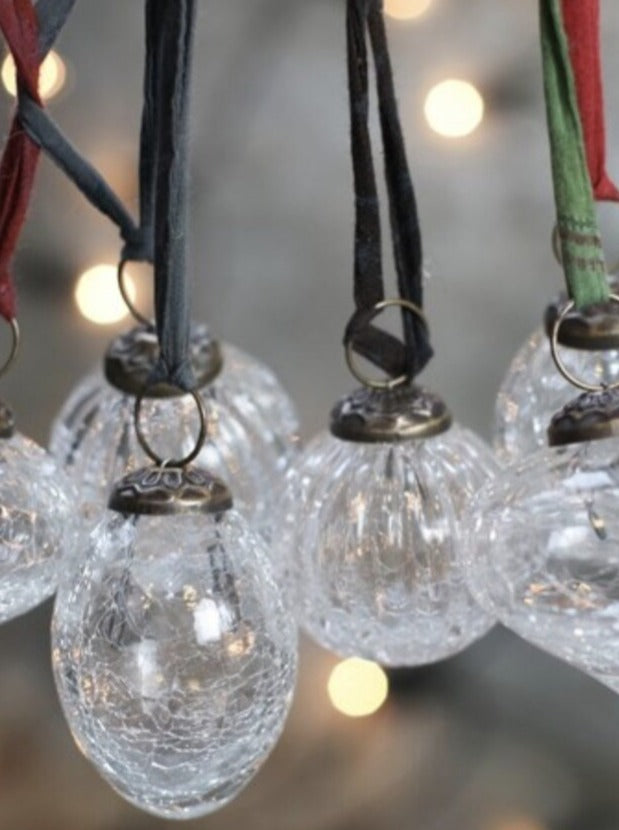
<point>454,108</point>
<point>357,688</point>
<point>52,75</point>
<point>98,297</point>
<point>406,9</point>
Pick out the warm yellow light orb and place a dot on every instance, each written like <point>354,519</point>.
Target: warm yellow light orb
<point>357,688</point>
<point>52,75</point>
<point>406,9</point>
<point>454,108</point>
<point>98,297</point>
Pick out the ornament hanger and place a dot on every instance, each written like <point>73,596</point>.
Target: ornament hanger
<point>143,441</point>
<point>554,346</point>
<point>379,347</point>
<point>582,256</point>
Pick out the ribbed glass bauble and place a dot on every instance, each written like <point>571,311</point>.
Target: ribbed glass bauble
<point>533,390</point>
<point>544,553</point>
<point>252,434</point>
<point>37,524</point>
<point>373,539</point>
<point>174,658</point>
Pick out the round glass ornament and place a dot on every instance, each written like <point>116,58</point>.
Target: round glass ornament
<point>370,524</point>
<point>37,521</point>
<point>532,390</point>
<point>543,541</point>
<point>173,654</point>
<point>252,424</point>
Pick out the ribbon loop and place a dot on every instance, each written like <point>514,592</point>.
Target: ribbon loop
<point>581,246</point>
<point>365,18</point>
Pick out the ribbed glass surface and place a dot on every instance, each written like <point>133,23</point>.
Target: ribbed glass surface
<point>252,435</point>
<point>371,544</point>
<point>544,553</point>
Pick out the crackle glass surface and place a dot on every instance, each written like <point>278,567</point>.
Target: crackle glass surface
<point>37,524</point>
<point>174,658</point>
<point>370,534</point>
<point>544,553</point>
<point>533,390</point>
<point>252,435</point>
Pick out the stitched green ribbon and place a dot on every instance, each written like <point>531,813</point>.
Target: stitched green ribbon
<point>580,241</point>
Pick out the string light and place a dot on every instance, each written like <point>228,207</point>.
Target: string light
<point>406,9</point>
<point>97,295</point>
<point>357,688</point>
<point>52,75</point>
<point>454,108</point>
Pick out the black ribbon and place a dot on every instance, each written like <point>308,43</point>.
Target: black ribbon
<point>52,15</point>
<point>160,235</point>
<point>171,24</point>
<point>381,348</point>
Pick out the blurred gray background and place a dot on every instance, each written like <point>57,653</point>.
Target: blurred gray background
<point>500,738</point>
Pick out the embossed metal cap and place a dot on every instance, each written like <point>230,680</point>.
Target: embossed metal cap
<point>404,413</point>
<point>589,417</point>
<point>131,358</point>
<point>596,327</point>
<point>170,490</point>
<point>7,421</point>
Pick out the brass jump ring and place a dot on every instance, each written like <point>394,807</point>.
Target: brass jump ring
<point>14,345</point>
<point>392,383</point>
<point>142,440</point>
<point>122,287</point>
<point>554,348</point>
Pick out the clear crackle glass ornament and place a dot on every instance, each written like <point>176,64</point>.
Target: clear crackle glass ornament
<point>252,429</point>
<point>173,653</point>
<point>37,521</point>
<point>532,390</point>
<point>370,526</point>
<point>543,541</point>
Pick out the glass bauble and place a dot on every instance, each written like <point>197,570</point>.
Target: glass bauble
<point>252,434</point>
<point>372,535</point>
<point>544,553</point>
<point>533,390</point>
<point>174,658</point>
<point>37,524</point>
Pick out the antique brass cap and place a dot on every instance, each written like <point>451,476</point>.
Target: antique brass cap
<point>594,328</point>
<point>7,421</point>
<point>589,417</point>
<point>131,358</point>
<point>404,413</point>
<point>164,491</point>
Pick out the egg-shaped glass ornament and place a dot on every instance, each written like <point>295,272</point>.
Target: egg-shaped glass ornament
<point>252,429</point>
<point>173,653</point>
<point>532,390</point>
<point>371,522</point>
<point>37,521</point>
<point>544,553</point>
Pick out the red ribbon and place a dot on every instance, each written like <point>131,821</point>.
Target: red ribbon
<point>19,25</point>
<point>581,20</point>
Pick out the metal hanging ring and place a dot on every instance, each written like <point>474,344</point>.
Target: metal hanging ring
<point>14,345</point>
<point>142,440</point>
<point>554,348</point>
<point>122,287</point>
<point>392,383</point>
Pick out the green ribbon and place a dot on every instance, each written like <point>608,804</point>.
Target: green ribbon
<point>579,235</point>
